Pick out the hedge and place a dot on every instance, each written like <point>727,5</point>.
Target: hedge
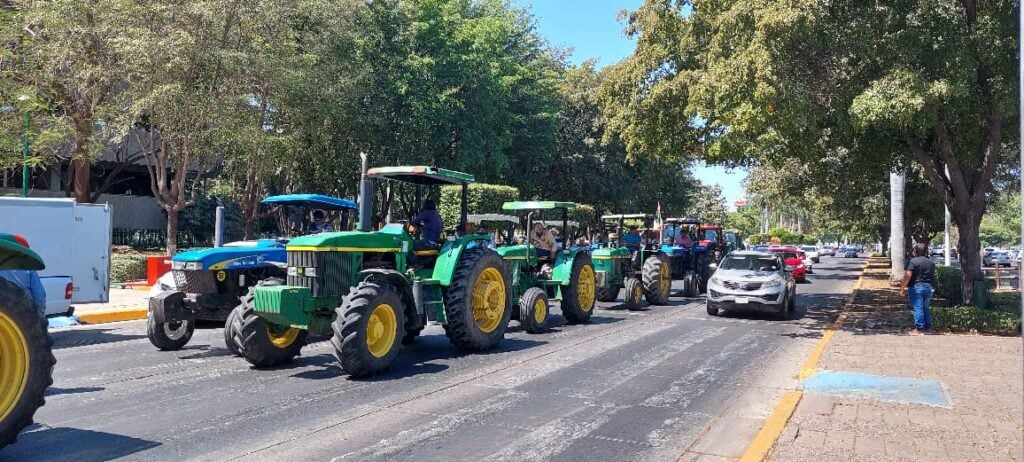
<point>971,319</point>
<point>129,267</point>
<point>950,283</point>
<point>483,198</point>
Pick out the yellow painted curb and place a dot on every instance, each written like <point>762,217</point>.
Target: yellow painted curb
<point>772,428</point>
<point>113,315</point>
<point>776,423</point>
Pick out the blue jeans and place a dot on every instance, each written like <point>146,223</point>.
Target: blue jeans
<point>920,296</point>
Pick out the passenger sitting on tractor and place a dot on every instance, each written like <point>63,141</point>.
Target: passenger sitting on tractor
<point>430,222</point>
<point>683,239</point>
<point>543,240</point>
<point>632,239</point>
<point>320,223</point>
<point>559,242</point>
<point>28,280</point>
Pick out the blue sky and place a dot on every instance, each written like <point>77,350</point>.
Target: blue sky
<point>591,29</point>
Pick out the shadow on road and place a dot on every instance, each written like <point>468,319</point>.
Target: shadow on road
<point>85,337</point>
<point>54,391</point>
<point>64,444</point>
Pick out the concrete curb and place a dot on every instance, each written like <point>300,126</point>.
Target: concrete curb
<point>112,315</point>
<point>765,440</point>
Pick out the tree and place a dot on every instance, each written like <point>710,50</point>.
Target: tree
<point>894,84</point>
<point>708,203</point>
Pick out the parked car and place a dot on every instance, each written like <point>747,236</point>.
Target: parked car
<point>849,252</point>
<point>794,263</point>
<point>752,280</point>
<point>826,251</point>
<point>812,253</point>
<point>997,258</point>
<point>936,250</point>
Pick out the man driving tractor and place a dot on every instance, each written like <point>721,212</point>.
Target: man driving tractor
<point>543,240</point>
<point>430,222</point>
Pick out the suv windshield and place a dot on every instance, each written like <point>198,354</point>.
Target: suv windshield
<point>750,262</point>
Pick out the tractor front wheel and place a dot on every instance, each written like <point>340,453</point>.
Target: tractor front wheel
<point>230,333</point>
<point>169,336</point>
<point>533,310</point>
<point>581,293</point>
<point>369,329</point>
<point>608,294</point>
<point>26,361</point>
<point>657,276</point>
<point>478,303</point>
<point>261,343</point>
<point>634,293</point>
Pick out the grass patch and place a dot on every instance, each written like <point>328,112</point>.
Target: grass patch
<point>976,320</point>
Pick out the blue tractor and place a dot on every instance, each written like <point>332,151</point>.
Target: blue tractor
<point>689,254</point>
<point>207,284</point>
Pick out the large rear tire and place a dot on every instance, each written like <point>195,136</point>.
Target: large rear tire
<point>169,336</point>
<point>369,329</point>
<point>580,295</point>
<point>26,361</point>
<point>478,303</point>
<point>534,310</point>
<point>261,343</point>
<point>657,276</point>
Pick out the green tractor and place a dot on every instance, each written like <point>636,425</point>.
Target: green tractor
<point>374,290</point>
<point>567,276</point>
<point>638,266</point>
<point>26,356</point>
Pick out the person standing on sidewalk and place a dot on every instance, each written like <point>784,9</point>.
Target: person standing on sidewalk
<point>920,278</point>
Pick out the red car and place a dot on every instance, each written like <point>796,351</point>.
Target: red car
<point>795,260</point>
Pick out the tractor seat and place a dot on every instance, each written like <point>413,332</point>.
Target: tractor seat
<point>426,252</point>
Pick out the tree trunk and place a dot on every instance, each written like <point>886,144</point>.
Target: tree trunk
<point>897,255</point>
<point>172,232</point>
<point>250,202</point>
<point>969,248</point>
<point>81,162</point>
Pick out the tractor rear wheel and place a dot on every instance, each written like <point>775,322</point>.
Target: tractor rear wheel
<point>261,343</point>
<point>533,310</point>
<point>580,295</point>
<point>169,336</point>
<point>608,294</point>
<point>26,361</point>
<point>691,284</point>
<point>634,293</point>
<point>478,303</point>
<point>229,332</point>
<point>369,329</point>
<point>657,276</point>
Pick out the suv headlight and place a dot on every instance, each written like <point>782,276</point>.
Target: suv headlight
<point>716,280</point>
<point>772,283</point>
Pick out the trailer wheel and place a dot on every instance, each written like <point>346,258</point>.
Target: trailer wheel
<point>534,310</point>
<point>479,301</point>
<point>169,336</point>
<point>26,361</point>
<point>634,293</point>
<point>368,329</point>
<point>657,276</point>
<point>581,293</point>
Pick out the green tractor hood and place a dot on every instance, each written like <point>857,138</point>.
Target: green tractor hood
<point>390,239</point>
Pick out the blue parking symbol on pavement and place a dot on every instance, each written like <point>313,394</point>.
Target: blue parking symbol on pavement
<point>880,387</point>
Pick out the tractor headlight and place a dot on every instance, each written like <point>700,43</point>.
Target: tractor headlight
<point>177,265</point>
<point>310,272</point>
<point>193,266</point>
<point>293,271</point>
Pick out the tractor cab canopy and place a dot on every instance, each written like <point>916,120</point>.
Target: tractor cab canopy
<point>14,255</point>
<point>683,221</point>
<point>626,216</point>
<point>311,201</point>
<point>506,225</point>
<point>421,175</point>
<point>535,209</point>
<point>537,205</point>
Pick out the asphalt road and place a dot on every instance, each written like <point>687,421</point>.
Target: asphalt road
<point>629,386</point>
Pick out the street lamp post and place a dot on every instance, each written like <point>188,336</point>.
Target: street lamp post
<point>26,150</point>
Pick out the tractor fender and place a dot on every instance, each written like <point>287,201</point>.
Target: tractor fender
<point>448,257</point>
<point>563,268</point>
<point>392,278</point>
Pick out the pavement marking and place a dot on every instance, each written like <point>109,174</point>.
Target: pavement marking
<point>112,315</point>
<point>776,423</point>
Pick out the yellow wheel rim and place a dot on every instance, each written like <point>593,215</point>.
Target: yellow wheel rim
<point>283,339</point>
<point>540,310</point>
<point>489,299</point>
<point>666,278</point>
<point>638,293</point>
<point>14,363</point>
<point>586,288</point>
<point>381,329</point>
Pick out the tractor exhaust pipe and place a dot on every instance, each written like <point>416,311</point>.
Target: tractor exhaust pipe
<point>365,198</point>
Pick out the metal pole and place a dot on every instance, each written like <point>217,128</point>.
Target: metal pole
<point>1020,119</point>
<point>218,228</point>
<point>945,238</point>
<point>26,152</point>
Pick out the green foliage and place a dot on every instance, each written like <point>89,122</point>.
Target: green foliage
<point>746,220</point>
<point>950,284</point>
<point>1001,224</point>
<point>972,319</point>
<point>127,267</point>
<point>708,203</point>
<point>586,215</point>
<point>482,198</point>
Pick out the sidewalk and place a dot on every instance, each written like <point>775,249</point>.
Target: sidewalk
<point>124,305</point>
<point>980,378</point>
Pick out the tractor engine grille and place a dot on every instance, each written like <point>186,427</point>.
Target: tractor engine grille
<point>195,282</point>
<point>333,272</point>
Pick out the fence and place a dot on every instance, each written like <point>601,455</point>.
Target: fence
<point>1004,277</point>
<point>157,238</point>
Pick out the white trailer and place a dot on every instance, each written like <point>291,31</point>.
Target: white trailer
<point>74,241</point>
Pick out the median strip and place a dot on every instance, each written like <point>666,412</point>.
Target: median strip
<point>111,315</point>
